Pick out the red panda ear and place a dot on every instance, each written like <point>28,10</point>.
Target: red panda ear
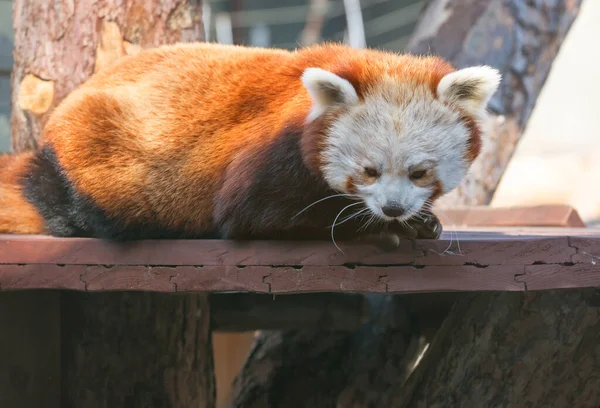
<point>327,89</point>
<point>469,88</point>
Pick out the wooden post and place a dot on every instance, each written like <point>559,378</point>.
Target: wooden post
<point>521,39</point>
<point>118,349</point>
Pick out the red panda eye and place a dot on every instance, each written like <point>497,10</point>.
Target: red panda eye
<point>419,174</point>
<point>371,172</point>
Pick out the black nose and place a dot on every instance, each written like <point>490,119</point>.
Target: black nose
<point>393,210</point>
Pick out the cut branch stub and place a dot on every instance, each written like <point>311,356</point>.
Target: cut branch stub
<point>35,94</point>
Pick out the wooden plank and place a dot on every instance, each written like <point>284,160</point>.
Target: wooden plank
<point>485,260</point>
<point>85,251</point>
<point>532,216</point>
<point>543,277</point>
<point>30,349</point>
<point>502,251</point>
<point>22,249</point>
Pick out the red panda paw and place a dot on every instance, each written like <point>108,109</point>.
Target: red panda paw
<point>426,226</point>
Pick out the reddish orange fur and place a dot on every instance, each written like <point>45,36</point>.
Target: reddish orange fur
<point>165,125</point>
<point>17,215</point>
<point>475,139</point>
<point>107,133</point>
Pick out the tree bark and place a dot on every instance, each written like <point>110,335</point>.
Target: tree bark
<point>297,369</point>
<point>136,350</point>
<point>118,349</point>
<point>60,43</point>
<point>512,350</point>
<point>521,39</point>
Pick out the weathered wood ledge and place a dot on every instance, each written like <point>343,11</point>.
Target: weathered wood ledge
<point>490,259</point>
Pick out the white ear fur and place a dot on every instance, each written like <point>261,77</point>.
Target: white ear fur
<point>470,88</point>
<point>327,89</point>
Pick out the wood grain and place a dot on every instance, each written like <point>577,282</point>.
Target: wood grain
<point>497,259</point>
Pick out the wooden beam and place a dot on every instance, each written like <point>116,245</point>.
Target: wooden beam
<point>242,312</point>
<point>534,216</point>
<point>494,259</point>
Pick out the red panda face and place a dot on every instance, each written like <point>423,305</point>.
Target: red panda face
<point>399,146</point>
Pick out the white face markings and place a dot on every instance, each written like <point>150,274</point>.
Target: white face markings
<point>401,143</point>
<point>397,137</point>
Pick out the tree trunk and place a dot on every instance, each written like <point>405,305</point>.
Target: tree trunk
<point>512,350</point>
<point>521,39</point>
<point>60,43</point>
<point>297,369</point>
<point>118,349</point>
<point>136,350</point>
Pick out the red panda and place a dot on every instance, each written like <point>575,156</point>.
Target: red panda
<point>206,140</point>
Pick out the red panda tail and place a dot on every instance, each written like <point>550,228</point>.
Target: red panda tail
<point>17,215</point>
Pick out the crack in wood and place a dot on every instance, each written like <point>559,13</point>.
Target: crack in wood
<point>175,288</point>
<point>266,282</point>
<point>82,280</point>
<point>476,265</point>
<point>524,283</point>
<point>381,279</point>
<point>575,247</point>
<point>350,266</point>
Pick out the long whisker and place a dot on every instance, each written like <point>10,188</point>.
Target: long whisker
<point>323,199</point>
<point>427,207</point>
<point>419,216</point>
<point>351,216</point>
<point>335,220</point>
<point>452,230</point>
<point>371,220</point>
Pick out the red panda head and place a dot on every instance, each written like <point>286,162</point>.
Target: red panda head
<point>400,138</point>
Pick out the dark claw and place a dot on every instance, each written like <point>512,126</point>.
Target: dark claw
<point>426,227</point>
<point>431,228</point>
